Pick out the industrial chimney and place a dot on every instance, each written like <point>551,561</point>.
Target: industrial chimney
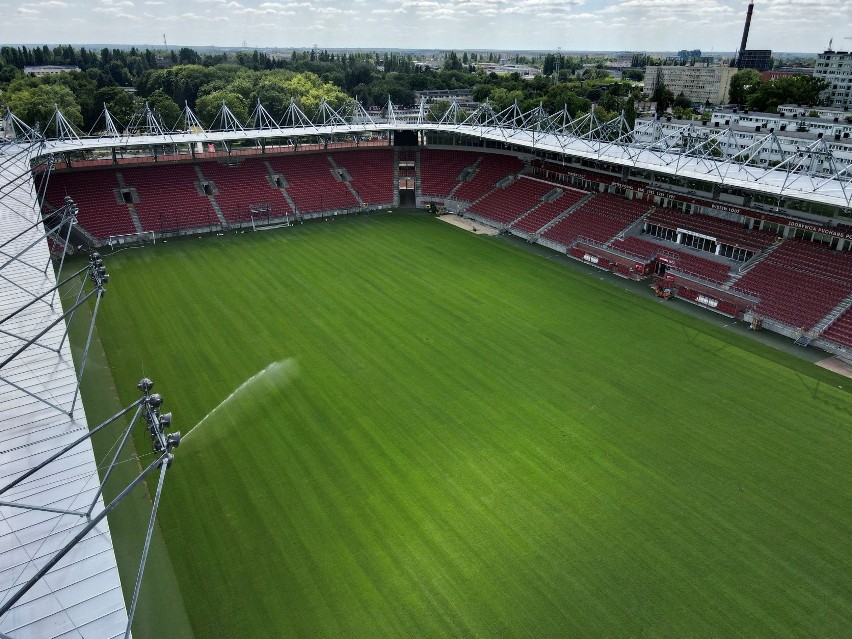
<point>745,36</point>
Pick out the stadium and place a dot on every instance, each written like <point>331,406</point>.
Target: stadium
<point>586,407</point>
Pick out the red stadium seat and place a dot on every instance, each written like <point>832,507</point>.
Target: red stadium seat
<point>600,219</point>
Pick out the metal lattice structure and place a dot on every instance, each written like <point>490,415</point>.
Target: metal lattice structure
<point>58,571</point>
<point>812,172</point>
<point>78,593</point>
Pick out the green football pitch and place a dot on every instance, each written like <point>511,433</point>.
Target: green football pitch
<point>448,435</point>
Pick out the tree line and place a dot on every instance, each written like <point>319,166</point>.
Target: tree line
<point>124,79</point>
<point>748,90</point>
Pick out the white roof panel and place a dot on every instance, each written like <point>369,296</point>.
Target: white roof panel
<point>81,596</point>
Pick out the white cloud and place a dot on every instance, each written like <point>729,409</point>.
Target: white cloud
<point>333,11</point>
<point>284,5</point>
<point>49,4</point>
<point>498,25</point>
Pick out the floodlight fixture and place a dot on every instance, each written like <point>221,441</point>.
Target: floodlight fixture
<point>145,385</point>
<point>173,440</point>
<point>98,273</point>
<point>155,400</point>
<point>165,420</point>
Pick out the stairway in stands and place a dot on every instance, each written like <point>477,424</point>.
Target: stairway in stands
<point>747,266</point>
<point>346,180</point>
<point>503,184</point>
<point>471,173</point>
<point>548,198</point>
<point>638,224</point>
<point>130,208</point>
<point>272,173</point>
<point>418,189</point>
<point>212,198</point>
<point>396,176</point>
<point>844,305</point>
<point>580,203</point>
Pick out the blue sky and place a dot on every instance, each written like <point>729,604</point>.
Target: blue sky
<point>641,25</point>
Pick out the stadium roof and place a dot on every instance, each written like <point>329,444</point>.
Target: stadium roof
<point>81,596</point>
<point>810,172</point>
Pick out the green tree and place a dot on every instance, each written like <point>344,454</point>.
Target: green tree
<point>121,104</point>
<point>797,89</point>
<point>208,107</point>
<point>595,74</point>
<point>682,113</point>
<point>452,62</point>
<point>394,87</point>
<point>662,95</point>
<point>743,84</point>
<point>274,97</point>
<point>119,74</point>
<point>481,92</point>
<point>682,102</point>
<point>610,102</point>
<point>188,56</point>
<point>275,89</point>
<point>630,112</point>
<point>357,74</point>
<point>502,98</point>
<point>167,108</point>
<point>36,105</point>
<point>563,96</point>
<point>182,83</point>
<point>549,65</point>
<point>437,109</point>
<point>309,91</point>
<point>7,72</point>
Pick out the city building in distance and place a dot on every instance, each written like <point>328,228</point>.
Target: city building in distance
<point>836,68</point>
<point>701,84</point>
<point>758,59</point>
<point>49,69</point>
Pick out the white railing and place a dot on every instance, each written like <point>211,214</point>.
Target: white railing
<point>131,238</point>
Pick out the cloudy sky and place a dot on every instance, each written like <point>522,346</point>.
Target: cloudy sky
<point>635,25</point>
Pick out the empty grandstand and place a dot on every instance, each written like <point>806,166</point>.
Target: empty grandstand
<point>642,227</point>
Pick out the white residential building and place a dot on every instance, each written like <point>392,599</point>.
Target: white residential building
<point>701,84</point>
<point>799,121</point>
<point>49,69</point>
<point>745,137</point>
<point>824,113</point>
<point>836,68</point>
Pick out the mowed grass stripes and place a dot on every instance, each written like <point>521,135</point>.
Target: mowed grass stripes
<point>478,442</point>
